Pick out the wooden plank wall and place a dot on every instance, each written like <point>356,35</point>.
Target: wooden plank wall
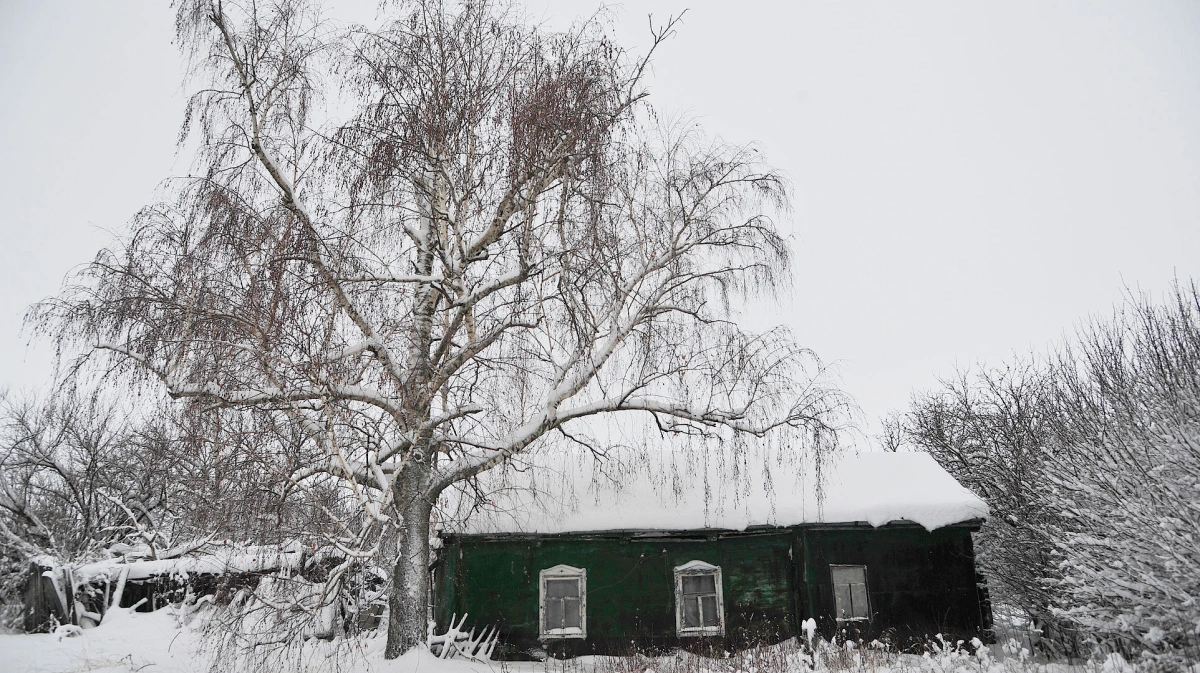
<point>920,583</point>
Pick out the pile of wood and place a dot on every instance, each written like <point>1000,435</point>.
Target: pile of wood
<point>83,594</point>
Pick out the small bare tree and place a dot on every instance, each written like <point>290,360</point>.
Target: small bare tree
<point>79,479</point>
<point>45,512</point>
<point>993,429</point>
<point>499,244</point>
<point>66,484</point>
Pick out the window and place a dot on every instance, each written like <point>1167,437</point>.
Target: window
<point>850,592</point>
<point>699,602</point>
<point>563,612</point>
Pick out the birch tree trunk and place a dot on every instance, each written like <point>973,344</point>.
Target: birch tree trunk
<point>409,602</point>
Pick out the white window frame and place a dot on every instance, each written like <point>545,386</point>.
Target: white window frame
<point>562,572</point>
<point>698,568</point>
<point>866,593</point>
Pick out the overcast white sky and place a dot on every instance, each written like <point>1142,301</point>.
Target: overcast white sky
<point>971,178</point>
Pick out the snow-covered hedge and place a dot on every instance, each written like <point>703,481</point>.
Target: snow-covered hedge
<point>1090,461</point>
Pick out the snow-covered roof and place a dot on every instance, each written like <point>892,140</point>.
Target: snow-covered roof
<point>235,559</point>
<point>730,493</point>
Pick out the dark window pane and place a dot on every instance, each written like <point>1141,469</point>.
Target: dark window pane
<point>841,596</point>
<point>554,613</point>
<point>708,610</point>
<point>571,616</point>
<point>691,613</point>
<point>858,595</point>
<point>699,584</point>
<point>562,588</point>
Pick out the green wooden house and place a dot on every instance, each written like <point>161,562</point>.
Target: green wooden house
<point>886,552</point>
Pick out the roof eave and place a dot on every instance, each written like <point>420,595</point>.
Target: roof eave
<point>971,524</point>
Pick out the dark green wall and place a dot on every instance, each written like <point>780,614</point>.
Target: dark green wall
<point>771,580</point>
<point>920,583</point>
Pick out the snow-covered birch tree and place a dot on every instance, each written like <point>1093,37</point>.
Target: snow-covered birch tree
<point>496,242</point>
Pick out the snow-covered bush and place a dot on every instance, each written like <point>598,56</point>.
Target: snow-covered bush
<point>1090,462</point>
<point>1127,481</point>
<point>846,657</point>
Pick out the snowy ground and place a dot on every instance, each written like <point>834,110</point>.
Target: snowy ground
<point>154,643</point>
<point>126,642</point>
